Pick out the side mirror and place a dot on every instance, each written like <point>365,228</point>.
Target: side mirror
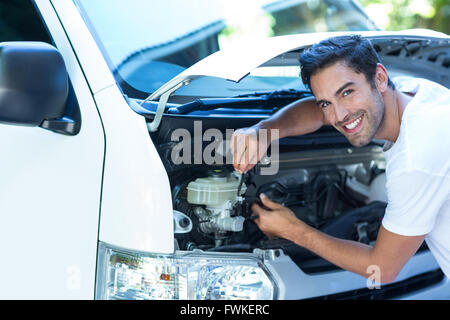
<point>34,87</point>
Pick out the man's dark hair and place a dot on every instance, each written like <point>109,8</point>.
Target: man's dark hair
<point>356,51</point>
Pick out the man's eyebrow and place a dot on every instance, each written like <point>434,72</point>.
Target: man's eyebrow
<point>338,92</point>
<point>321,101</point>
<point>343,87</point>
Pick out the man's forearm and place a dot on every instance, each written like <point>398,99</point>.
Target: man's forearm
<point>298,118</point>
<point>349,255</point>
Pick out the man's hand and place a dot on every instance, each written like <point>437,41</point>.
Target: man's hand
<point>248,146</point>
<point>389,255</point>
<point>278,221</point>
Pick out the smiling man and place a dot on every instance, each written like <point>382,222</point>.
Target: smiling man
<point>353,93</point>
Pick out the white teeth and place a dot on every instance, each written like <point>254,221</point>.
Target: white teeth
<point>353,124</point>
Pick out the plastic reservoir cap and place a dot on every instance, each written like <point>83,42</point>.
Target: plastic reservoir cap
<point>212,191</point>
<point>218,173</point>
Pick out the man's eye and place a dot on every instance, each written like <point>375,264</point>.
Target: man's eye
<point>324,104</point>
<point>347,92</point>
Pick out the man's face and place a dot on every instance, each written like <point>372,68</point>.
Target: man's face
<point>349,102</point>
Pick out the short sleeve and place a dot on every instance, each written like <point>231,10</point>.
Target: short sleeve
<point>414,201</point>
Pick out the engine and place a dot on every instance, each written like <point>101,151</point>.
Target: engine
<point>342,194</point>
<point>214,198</point>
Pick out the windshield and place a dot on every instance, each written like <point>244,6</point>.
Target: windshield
<point>147,43</point>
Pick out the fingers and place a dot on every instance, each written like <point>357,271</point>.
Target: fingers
<point>275,220</point>
<point>257,214</point>
<point>252,162</point>
<point>246,153</point>
<point>236,153</point>
<point>244,146</point>
<point>269,203</point>
<point>239,148</point>
<point>257,210</point>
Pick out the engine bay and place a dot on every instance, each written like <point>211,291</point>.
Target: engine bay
<point>340,192</point>
<point>327,183</point>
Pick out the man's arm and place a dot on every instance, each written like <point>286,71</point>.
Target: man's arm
<point>390,252</point>
<point>298,118</point>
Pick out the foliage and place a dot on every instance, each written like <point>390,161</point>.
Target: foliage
<point>406,14</point>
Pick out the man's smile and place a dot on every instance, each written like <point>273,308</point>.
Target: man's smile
<point>354,125</point>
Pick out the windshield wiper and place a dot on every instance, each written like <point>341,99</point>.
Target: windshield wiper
<point>272,100</point>
<point>277,94</point>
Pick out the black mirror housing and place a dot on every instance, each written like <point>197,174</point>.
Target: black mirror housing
<point>34,83</point>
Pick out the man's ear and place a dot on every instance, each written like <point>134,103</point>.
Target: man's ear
<point>381,78</point>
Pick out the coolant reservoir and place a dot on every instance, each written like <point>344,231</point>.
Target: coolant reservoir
<point>213,191</point>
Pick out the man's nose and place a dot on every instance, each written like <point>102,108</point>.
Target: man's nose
<point>341,113</point>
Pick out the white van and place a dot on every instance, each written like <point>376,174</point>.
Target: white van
<point>93,204</point>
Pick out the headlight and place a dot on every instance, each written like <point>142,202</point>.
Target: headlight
<point>123,274</point>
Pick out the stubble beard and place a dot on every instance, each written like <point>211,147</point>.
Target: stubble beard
<point>373,121</point>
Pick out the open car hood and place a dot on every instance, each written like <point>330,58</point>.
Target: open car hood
<point>234,63</point>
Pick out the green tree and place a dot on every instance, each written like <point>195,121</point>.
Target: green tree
<point>406,14</point>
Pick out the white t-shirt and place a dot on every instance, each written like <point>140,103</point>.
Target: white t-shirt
<point>418,169</point>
